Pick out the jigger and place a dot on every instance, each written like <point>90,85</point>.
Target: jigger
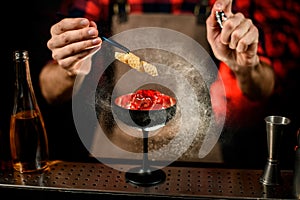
<point>275,126</point>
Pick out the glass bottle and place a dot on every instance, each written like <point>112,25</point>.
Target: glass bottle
<point>28,137</point>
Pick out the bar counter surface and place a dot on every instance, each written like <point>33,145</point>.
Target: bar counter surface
<point>95,180</point>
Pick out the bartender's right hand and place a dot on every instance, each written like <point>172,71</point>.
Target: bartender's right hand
<point>72,39</point>
<point>236,44</point>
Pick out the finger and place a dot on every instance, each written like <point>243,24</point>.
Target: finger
<point>238,30</point>
<point>93,24</point>
<point>219,5</point>
<point>69,63</point>
<point>223,5</point>
<point>75,48</point>
<point>226,6</point>
<point>230,26</point>
<point>73,36</point>
<point>68,24</point>
<point>249,41</point>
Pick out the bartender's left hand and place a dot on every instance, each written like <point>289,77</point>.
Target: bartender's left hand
<point>236,44</point>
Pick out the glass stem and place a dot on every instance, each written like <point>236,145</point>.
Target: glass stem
<point>145,150</point>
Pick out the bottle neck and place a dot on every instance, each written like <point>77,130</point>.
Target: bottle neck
<point>22,72</point>
<point>24,93</point>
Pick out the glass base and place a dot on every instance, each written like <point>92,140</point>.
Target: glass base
<point>141,177</point>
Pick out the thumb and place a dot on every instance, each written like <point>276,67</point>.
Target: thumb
<point>223,5</point>
<point>219,5</point>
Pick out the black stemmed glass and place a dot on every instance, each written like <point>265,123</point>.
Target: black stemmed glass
<point>144,120</point>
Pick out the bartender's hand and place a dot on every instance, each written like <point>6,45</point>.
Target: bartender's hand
<point>236,44</point>
<point>72,39</point>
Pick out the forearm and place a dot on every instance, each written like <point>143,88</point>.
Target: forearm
<point>56,84</point>
<point>256,82</point>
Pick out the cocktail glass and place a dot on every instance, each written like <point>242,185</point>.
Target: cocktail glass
<point>145,120</point>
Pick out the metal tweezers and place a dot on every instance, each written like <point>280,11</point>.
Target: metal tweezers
<point>220,17</point>
<point>115,44</point>
<point>61,16</point>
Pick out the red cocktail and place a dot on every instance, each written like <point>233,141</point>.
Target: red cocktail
<point>145,109</point>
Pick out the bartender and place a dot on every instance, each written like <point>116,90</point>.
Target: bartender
<point>103,18</point>
<point>257,51</point>
<point>258,67</point>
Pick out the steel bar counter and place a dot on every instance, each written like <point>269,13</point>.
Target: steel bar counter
<point>94,180</point>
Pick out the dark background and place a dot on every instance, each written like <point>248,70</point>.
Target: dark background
<point>26,25</point>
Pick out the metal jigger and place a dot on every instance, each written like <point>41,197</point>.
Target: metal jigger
<point>297,167</point>
<point>275,126</point>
